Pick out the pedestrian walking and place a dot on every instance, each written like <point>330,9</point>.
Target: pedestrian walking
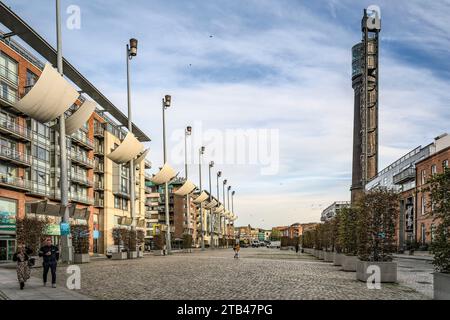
<point>23,265</point>
<point>50,254</point>
<point>296,247</point>
<point>236,249</point>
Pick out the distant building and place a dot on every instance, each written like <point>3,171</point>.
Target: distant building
<point>330,212</point>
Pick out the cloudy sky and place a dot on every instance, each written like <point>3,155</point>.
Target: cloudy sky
<point>279,67</point>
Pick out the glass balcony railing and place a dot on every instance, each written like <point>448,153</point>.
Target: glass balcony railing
<point>8,96</point>
<point>15,156</point>
<point>99,202</point>
<point>12,128</point>
<point>406,175</point>
<point>82,159</point>
<point>99,131</point>
<point>99,185</point>
<point>81,179</point>
<point>79,138</point>
<point>15,182</point>
<point>81,198</point>
<point>99,168</point>
<point>9,76</point>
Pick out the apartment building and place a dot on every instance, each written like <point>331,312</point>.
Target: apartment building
<point>331,211</point>
<point>402,177</point>
<point>30,163</point>
<point>426,168</point>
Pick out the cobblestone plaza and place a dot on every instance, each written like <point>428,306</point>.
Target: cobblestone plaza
<point>259,274</point>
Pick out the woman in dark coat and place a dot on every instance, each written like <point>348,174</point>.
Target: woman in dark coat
<point>23,270</point>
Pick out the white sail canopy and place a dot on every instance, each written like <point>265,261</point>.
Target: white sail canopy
<point>201,198</point>
<point>166,174</point>
<point>49,98</point>
<point>80,117</point>
<point>141,158</point>
<point>128,149</point>
<point>187,188</point>
<point>220,209</point>
<point>211,205</point>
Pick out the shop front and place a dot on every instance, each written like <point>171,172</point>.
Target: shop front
<point>8,213</point>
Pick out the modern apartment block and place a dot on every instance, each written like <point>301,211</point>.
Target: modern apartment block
<point>402,177</point>
<point>30,163</point>
<point>330,212</point>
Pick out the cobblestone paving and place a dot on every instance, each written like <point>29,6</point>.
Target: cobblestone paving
<point>259,274</point>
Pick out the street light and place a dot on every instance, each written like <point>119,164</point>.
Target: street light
<point>66,245</point>
<point>228,195</point>
<point>200,153</point>
<point>166,103</point>
<point>224,217</point>
<point>187,133</point>
<point>131,51</point>
<point>219,174</point>
<point>232,207</point>
<point>211,165</point>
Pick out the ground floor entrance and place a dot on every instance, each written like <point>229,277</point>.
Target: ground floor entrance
<point>7,248</point>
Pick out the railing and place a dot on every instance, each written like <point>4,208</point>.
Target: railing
<point>408,174</point>
<point>99,167</point>
<point>77,136</point>
<point>99,185</point>
<point>15,181</point>
<point>9,97</point>
<point>148,190</point>
<point>99,131</point>
<point>14,128</point>
<point>99,202</point>
<point>98,150</point>
<point>9,75</point>
<point>148,176</point>
<point>16,156</point>
<point>81,198</point>
<point>39,189</point>
<point>81,179</point>
<point>82,159</point>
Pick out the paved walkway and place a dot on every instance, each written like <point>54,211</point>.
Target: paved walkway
<point>34,290</point>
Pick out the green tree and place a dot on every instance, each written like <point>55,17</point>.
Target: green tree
<point>275,235</point>
<point>439,190</point>
<point>377,214</point>
<point>347,231</point>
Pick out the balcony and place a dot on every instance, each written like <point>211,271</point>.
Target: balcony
<point>83,141</point>
<point>148,190</point>
<point>40,190</point>
<point>99,132</point>
<point>80,179</point>
<point>14,156</point>
<point>148,164</point>
<point>80,198</point>
<point>148,176</point>
<point>98,185</point>
<point>11,77</point>
<point>99,203</point>
<point>98,150</point>
<point>14,130</point>
<point>14,182</point>
<point>82,160</point>
<point>406,175</point>
<point>99,168</point>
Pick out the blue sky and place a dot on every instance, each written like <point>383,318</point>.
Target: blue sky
<point>266,64</point>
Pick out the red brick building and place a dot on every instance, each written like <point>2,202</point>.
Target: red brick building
<point>425,168</point>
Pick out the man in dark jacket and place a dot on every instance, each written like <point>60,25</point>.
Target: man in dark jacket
<point>50,254</point>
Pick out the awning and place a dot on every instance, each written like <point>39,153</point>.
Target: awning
<point>201,198</point>
<point>211,205</point>
<point>80,117</point>
<point>141,157</point>
<point>49,98</point>
<point>187,188</point>
<point>166,174</point>
<point>128,149</point>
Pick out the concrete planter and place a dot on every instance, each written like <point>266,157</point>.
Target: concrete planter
<point>321,255</point>
<point>349,263</point>
<point>337,259</point>
<point>80,258</point>
<point>119,256</point>
<point>328,256</point>
<point>158,253</point>
<point>388,271</point>
<point>441,286</point>
<point>140,254</point>
<point>316,253</point>
<point>132,254</point>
